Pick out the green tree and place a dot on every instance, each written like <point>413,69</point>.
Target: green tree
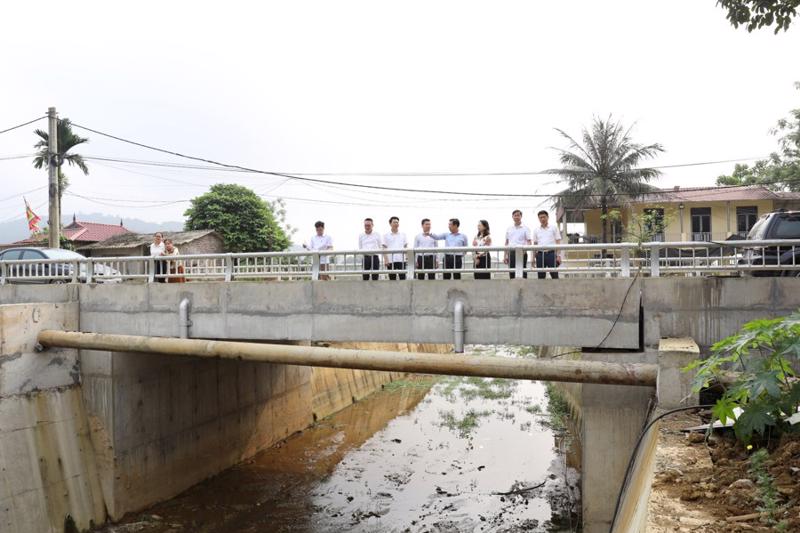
<point>604,170</point>
<point>781,170</point>
<point>66,140</point>
<point>246,222</point>
<point>753,14</point>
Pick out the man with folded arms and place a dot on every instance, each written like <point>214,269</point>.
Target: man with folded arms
<point>370,240</point>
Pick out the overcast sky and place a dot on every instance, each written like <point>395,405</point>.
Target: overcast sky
<point>351,87</point>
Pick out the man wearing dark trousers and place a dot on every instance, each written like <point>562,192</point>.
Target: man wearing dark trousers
<point>426,240</point>
<point>517,235</point>
<point>370,240</point>
<point>395,240</point>
<point>546,235</point>
<point>454,239</point>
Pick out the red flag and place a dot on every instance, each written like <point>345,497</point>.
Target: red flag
<point>33,218</point>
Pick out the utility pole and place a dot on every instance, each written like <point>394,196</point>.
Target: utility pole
<point>54,224</point>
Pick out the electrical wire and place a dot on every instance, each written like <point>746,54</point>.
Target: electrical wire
<point>12,128</point>
<point>632,459</point>
<point>353,185</point>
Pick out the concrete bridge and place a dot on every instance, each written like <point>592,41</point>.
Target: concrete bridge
<point>630,314</point>
<point>91,434</point>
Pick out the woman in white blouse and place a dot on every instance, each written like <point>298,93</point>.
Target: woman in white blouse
<point>483,259</point>
<point>156,250</point>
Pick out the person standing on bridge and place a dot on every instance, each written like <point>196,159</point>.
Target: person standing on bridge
<point>426,240</point>
<point>320,241</point>
<point>517,235</point>
<point>395,240</point>
<point>156,250</point>
<point>546,235</point>
<point>483,259</point>
<point>370,240</point>
<point>454,239</point>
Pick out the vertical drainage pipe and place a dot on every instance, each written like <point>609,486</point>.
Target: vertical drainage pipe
<point>458,326</point>
<point>184,323</point>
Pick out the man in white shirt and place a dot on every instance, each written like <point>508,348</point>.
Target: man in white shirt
<point>546,235</point>
<point>370,240</point>
<point>320,241</point>
<point>395,240</point>
<point>426,240</point>
<point>517,235</point>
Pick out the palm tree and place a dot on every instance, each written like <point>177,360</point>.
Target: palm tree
<point>66,141</point>
<point>604,169</point>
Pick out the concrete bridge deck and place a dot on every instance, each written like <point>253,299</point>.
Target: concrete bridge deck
<point>608,313</point>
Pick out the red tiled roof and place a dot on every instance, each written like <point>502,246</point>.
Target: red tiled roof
<point>81,232</point>
<point>92,231</point>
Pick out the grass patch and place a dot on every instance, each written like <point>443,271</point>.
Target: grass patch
<point>557,408</point>
<point>484,388</point>
<point>534,409</point>
<point>464,425</point>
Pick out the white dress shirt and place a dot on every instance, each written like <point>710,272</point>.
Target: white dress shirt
<point>370,241</point>
<point>518,235</point>
<point>544,236</point>
<point>395,241</point>
<point>425,240</point>
<point>321,242</point>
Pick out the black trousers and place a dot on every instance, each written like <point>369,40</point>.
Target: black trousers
<point>371,262</point>
<point>453,261</point>
<point>512,263</point>
<point>426,262</point>
<point>159,271</point>
<point>484,261</point>
<point>546,260</point>
<point>397,265</point>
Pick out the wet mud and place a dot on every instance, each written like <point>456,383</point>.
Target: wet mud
<point>421,455</point>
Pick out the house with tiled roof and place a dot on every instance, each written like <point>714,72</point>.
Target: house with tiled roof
<point>681,214</point>
<point>79,233</point>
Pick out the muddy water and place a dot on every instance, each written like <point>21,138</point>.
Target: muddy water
<point>443,455</point>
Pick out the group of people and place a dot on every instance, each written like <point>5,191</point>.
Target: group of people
<point>165,247</point>
<point>516,235</point>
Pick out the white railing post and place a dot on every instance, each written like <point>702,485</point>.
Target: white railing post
<point>151,269</point>
<point>90,270</point>
<point>411,264</point>
<point>519,253</point>
<point>625,263</point>
<point>228,267</point>
<point>655,255</point>
<point>3,273</point>
<point>76,270</point>
<point>315,266</point>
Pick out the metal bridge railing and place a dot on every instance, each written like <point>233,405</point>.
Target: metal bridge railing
<point>775,257</point>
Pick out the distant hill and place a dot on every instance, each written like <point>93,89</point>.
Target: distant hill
<point>18,229</point>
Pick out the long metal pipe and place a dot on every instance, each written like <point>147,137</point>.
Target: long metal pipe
<point>421,363</point>
<point>458,326</point>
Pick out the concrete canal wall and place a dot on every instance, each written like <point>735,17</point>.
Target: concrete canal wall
<point>94,435</point>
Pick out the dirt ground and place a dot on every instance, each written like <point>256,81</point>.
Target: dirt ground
<point>709,485</point>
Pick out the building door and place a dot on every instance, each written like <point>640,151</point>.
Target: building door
<point>701,223</point>
<point>746,218</point>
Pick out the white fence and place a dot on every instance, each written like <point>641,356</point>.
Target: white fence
<point>777,257</point>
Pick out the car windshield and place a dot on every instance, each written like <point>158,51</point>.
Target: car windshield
<point>758,230</point>
<point>787,227</point>
<point>62,254</point>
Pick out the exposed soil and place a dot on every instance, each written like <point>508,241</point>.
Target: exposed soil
<point>713,488</point>
<point>422,455</point>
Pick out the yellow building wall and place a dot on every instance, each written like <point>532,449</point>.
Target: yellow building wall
<point>723,218</point>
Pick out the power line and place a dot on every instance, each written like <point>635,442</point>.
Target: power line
<point>314,180</point>
<point>10,157</point>
<point>12,128</point>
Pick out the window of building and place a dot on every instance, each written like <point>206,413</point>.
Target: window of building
<point>746,218</point>
<point>701,223</point>
<point>654,224</point>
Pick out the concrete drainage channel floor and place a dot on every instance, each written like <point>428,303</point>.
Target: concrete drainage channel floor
<point>424,454</point>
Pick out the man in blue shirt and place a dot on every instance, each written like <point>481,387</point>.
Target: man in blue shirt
<point>452,240</point>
